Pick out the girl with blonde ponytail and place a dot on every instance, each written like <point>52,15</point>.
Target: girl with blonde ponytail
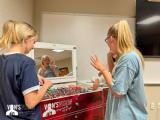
<point>126,97</point>
<point>19,83</point>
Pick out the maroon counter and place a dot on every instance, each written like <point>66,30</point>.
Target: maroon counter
<point>85,106</point>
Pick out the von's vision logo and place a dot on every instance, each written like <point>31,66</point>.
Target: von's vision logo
<point>11,111</point>
<point>49,111</point>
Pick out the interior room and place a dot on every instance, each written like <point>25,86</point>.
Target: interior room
<point>34,12</point>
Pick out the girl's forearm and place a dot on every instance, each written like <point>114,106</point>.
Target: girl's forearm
<point>33,98</point>
<point>109,79</point>
<point>110,64</point>
<point>56,73</point>
<point>42,74</point>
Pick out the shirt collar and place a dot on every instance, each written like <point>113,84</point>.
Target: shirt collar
<point>12,53</point>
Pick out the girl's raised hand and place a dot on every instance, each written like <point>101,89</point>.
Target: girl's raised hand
<point>110,54</point>
<point>43,70</point>
<point>96,63</point>
<point>52,63</point>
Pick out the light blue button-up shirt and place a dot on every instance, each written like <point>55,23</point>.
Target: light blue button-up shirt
<point>127,81</point>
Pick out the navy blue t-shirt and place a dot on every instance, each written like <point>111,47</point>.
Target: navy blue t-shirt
<point>17,77</point>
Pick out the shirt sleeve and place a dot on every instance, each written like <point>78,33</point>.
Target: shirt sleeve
<point>39,72</point>
<point>122,80</point>
<point>29,81</point>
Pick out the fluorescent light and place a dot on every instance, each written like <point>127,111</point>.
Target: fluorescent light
<point>150,20</point>
<point>58,50</point>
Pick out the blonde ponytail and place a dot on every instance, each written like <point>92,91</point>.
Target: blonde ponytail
<point>15,32</point>
<point>122,33</point>
<point>8,35</point>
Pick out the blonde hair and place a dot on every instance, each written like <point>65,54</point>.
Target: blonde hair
<point>122,33</point>
<point>15,32</point>
<point>44,57</point>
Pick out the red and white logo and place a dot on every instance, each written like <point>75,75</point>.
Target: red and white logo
<point>49,111</point>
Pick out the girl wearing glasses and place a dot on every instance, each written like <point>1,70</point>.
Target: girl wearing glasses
<point>20,92</point>
<point>48,69</point>
<point>126,98</point>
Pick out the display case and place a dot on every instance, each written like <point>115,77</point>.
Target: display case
<point>80,103</point>
<point>83,106</point>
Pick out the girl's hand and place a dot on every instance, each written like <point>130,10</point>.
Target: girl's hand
<point>41,79</point>
<point>52,63</point>
<point>96,84</point>
<point>110,54</point>
<point>97,64</point>
<point>48,83</point>
<point>43,70</point>
<point>100,73</point>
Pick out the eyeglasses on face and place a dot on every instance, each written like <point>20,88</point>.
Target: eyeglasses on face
<point>108,38</point>
<point>47,60</point>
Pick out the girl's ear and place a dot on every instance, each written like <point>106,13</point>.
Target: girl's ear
<point>26,38</point>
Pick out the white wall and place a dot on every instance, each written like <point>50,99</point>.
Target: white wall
<point>86,32</point>
<point>16,10</point>
<point>103,7</point>
<point>152,71</point>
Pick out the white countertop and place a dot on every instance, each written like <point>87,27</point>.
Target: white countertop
<point>91,83</point>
